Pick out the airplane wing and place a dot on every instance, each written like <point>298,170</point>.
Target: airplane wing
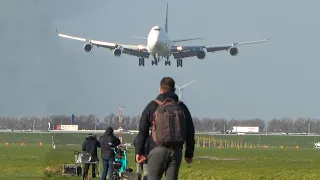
<point>186,39</point>
<point>191,51</point>
<point>186,51</point>
<point>134,50</point>
<point>227,47</point>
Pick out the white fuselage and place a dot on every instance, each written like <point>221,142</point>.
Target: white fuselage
<point>158,42</point>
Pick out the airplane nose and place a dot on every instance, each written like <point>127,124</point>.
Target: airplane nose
<point>158,43</point>
<point>154,42</point>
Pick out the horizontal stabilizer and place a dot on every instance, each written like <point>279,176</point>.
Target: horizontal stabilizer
<point>187,39</point>
<point>139,37</point>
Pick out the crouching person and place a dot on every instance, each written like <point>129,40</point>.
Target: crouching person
<point>108,141</point>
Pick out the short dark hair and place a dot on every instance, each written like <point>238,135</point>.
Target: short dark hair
<point>167,84</point>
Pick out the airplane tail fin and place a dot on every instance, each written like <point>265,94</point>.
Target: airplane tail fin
<point>166,23</point>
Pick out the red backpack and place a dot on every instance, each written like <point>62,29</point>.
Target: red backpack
<point>169,123</point>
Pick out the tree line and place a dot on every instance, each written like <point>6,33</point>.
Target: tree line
<point>286,125</point>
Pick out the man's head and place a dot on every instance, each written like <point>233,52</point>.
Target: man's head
<point>167,84</point>
<point>89,136</point>
<point>109,130</point>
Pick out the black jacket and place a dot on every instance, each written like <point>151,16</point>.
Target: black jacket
<point>90,145</point>
<point>146,120</point>
<point>107,141</point>
<point>146,147</point>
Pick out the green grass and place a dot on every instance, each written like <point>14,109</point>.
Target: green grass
<point>67,138</point>
<point>30,160</point>
<point>46,138</point>
<point>270,140</point>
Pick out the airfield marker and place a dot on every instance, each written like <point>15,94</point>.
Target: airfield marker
<point>120,122</point>
<point>53,145</point>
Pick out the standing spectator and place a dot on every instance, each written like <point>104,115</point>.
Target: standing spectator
<point>166,155</point>
<point>90,145</point>
<point>108,141</point>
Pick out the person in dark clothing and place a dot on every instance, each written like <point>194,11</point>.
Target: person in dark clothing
<point>142,167</point>
<point>90,145</point>
<point>108,141</point>
<point>164,159</point>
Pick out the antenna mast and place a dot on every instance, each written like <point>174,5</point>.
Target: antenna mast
<point>120,122</point>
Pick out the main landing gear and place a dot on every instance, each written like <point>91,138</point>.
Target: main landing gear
<point>167,61</point>
<point>156,60</point>
<point>141,61</point>
<point>179,62</point>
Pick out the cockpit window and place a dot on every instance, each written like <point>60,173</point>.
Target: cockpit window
<point>156,29</point>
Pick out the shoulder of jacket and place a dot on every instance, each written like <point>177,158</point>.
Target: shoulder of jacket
<point>153,102</point>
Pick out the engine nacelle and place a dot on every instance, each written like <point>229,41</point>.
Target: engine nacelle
<point>88,47</point>
<point>201,54</point>
<point>233,51</point>
<point>117,52</point>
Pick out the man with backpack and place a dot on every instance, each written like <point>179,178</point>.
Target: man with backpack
<point>171,127</point>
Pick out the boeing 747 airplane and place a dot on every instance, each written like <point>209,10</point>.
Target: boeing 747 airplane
<point>159,46</point>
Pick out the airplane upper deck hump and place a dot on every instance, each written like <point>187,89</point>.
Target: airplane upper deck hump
<point>166,23</point>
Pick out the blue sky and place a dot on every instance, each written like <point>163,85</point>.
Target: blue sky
<point>43,74</point>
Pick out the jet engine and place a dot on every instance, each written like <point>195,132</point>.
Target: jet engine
<point>88,47</point>
<point>233,51</point>
<point>117,52</point>
<point>201,54</point>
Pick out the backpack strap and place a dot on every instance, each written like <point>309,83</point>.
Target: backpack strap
<point>169,100</point>
<point>157,101</point>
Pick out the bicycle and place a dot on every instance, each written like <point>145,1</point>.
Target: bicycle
<point>120,163</point>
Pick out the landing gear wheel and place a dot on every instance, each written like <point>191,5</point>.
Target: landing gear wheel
<point>167,62</point>
<point>179,62</point>
<point>156,59</point>
<point>154,62</point>
<point>141,61</point>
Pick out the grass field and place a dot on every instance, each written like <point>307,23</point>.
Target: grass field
<point>230,140</point>
<point>30,161</point>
